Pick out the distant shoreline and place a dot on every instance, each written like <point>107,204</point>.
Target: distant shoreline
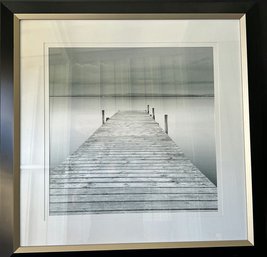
<point>208,95</point>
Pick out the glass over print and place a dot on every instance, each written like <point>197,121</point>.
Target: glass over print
<point>131,132</point>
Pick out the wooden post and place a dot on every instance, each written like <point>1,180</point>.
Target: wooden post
<point>166,123</point>
<point>148,108</point>
<point>103,116</point>
<point>153,113</point>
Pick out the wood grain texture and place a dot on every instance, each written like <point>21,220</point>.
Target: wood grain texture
<point>129,165</point>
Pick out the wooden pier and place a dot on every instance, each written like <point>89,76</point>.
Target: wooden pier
<point>129,165</point>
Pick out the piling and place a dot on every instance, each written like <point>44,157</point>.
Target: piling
<point>103,116</point>
<point>166,123</point>
<point>153,113</point>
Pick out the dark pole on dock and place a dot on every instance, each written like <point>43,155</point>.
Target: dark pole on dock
<point>166,123</point>
<point>153,113</point>
<point>148,108</point>
<point>103,116</point>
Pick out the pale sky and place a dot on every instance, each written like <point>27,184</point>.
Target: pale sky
<point>157,71</point>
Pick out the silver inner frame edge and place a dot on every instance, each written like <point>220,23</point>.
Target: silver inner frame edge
<point>119,16</point>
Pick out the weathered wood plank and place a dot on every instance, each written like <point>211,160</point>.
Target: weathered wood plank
<point>143,160</point>
<point>64,213</point>
<point>132,197</point>
<point>130,169</point>
<point>125,165</point>
<point>134,190</point>
<point>125,206</point>
<point>127,175</point>
<point>127,180</point>
<point>131,184</point>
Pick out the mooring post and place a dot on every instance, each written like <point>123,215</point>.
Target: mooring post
<point>103,116</point>
<point>148,108</point>
<point>166,123</point>
<point>153,113</point>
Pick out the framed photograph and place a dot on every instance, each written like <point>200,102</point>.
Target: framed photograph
<point>126,130</point>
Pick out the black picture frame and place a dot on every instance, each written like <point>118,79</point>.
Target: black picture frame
<point>257,71</point>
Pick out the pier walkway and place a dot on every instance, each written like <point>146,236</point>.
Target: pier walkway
<point>129,165</point>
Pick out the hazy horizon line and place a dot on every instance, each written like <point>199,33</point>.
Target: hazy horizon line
<point>136,95</point>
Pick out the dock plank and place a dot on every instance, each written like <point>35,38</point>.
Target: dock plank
<point>132,190</point>
<point>132,197</point>
<point>133,206</point>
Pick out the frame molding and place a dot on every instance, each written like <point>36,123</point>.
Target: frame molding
<point>132,16</point>
<point>12,12</point>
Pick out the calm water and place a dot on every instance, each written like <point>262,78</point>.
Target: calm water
<point>190,121</point>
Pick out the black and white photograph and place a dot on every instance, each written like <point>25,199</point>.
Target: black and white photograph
<point>131,130</point>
